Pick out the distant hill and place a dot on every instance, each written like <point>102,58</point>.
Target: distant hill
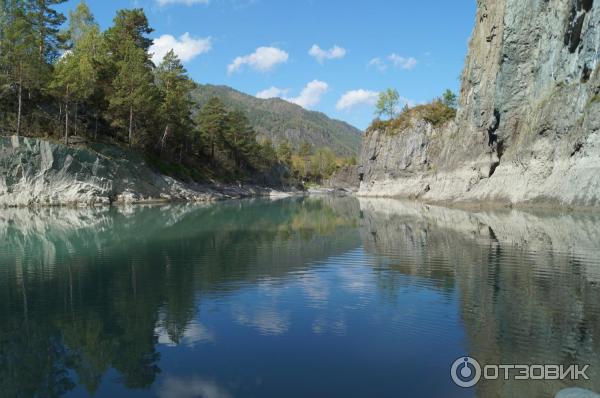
<point>280,120</point>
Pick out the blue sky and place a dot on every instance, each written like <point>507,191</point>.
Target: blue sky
<point>331,56</point>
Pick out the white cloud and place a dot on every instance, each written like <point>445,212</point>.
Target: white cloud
<point>397,61</point>
<point>263,59</point>
<point>402,62</point>
<point>186,47</point>
<point>321,55</point>
<point>377,63</point>
<point>193,387</point>
<point>311,94</point>
<point>185,2</point>
<point>309,97</point>
<point>272,92</point>
<point>354,98</point>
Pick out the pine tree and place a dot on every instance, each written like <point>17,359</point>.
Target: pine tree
<point>18,54</point>
<point>241,139</point>
<point>76,73</point>
<point>81,21</point>
<point>75,76</point>
<point>129,25</point>
<point>133,94</point>
<point>47,22</point>
<point>176,105</point>
<point>213,123</point>
<point>284,153</point>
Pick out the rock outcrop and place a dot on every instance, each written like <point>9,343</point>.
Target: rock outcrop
<point>346,178</point>
<point>528,126</point>
<point>40,173</point>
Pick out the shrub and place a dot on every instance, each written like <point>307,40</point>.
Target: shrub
<point>436,113</point>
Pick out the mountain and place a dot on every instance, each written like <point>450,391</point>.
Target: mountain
<point>280,120</point>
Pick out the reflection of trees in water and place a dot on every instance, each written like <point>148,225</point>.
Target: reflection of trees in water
<point>529,285</point>
<point>84,291</point>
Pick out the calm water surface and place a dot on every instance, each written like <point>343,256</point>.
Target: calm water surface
<point>315,297</point>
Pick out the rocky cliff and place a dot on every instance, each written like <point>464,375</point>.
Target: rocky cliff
<point>528,126</point>
<point>39,173</point>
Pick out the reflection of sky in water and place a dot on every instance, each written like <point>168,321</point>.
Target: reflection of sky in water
<point>295,298</point>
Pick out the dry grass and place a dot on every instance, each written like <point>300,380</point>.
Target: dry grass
<point>436,113</point>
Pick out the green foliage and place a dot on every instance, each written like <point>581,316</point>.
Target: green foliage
<point>387,103</point>
<point>81,21</point>
<point>175,108</point>
<point>129,25</point>
<point>305,149</point>
<point>213,123</point>
<point>436,113</point>
<point>449,99</point>
<point>106,81</point>
<point>133,97</point>
<point>284,153</point>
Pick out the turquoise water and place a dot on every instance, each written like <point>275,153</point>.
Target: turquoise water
<point>301,297</point>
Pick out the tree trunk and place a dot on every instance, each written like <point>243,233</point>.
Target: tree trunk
<point>20,105</point>
<point>60,109</point>
<point>163,140</point>
<point>96,129</point>
<point>75,121</point>
<point>130,125</point>
<point>67,117</point>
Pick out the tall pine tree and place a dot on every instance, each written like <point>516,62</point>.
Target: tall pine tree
<point>176,105</point>
<point>18,58</point>
<point>213,124</point>
<point>133,96</point>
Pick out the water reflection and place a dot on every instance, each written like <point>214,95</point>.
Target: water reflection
<point>356,298</point>
<point>528,283</point>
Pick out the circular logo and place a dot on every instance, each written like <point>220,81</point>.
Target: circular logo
<point>465,372</point>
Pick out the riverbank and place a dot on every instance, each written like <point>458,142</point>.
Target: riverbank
<point>36,172</point>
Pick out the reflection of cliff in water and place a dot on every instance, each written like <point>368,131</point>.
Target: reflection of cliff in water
<point>84,291</point>
<point>529,284</point>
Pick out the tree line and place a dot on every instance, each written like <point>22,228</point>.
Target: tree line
<point>62,77</point>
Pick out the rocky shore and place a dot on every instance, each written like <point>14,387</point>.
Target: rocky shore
<point>36,172</point>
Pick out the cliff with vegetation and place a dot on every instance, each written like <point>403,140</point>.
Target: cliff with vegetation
<point>527,131</point>
<point>36,172</point>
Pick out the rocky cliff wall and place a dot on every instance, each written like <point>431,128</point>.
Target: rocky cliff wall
<point>528,125</point>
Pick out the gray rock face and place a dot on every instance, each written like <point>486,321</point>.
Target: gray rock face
<point>528,127</point>
<point>346,178</point>
<point>39,173</point>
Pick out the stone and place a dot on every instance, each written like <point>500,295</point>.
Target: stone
<point>527,130</point>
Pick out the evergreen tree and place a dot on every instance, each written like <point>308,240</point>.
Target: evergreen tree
<point>176,105</point>
<point>213,124</point>
<point>81,21</point>
<point>75,76</point>
<point>241,139</point>
<point>284,153</point>
<point>268,154</point>
<point>129,25</point>
<point>133,95</point>
<point>47,22</point>
<point>449,99</point>
<point>18,58</point>
<point>76,73</point>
